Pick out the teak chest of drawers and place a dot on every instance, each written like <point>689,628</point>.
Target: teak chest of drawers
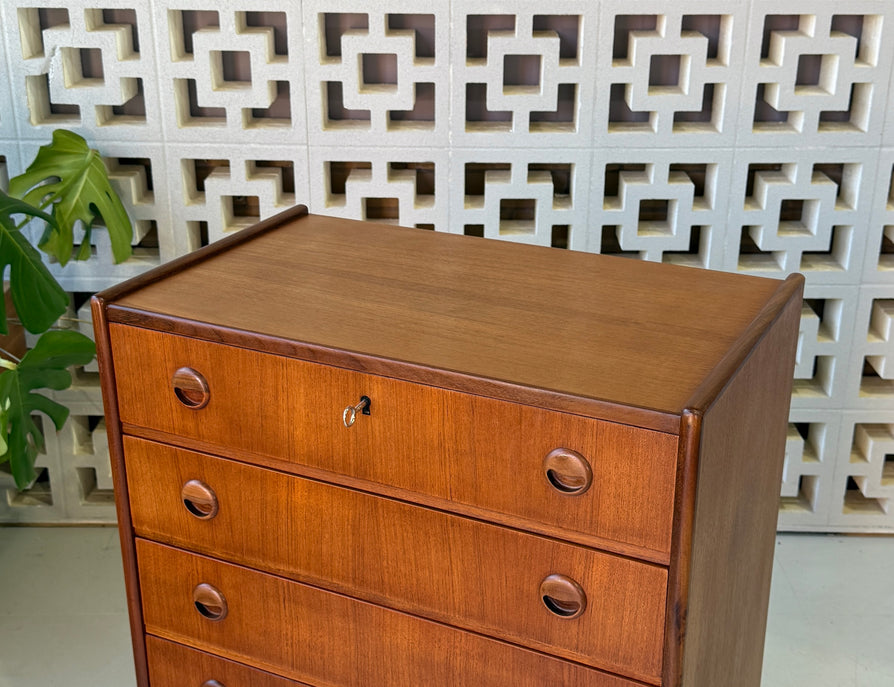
<point>348,454</point>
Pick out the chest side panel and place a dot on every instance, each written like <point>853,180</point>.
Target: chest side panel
<point>736,508</point>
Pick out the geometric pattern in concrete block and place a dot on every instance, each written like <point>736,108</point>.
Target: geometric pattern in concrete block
<point>380,72</point>
<point>83,66</point>
<point>864,484</point>
<point>218,190</point>
<point>824,346</point>
<point>870,384</point>
<point>523,77</point>
<point>672,73</point>
<point>879,260</point>
<point>535,197</point>
<point>817,73</point>
<point>801,212</point>
<point>662,206</point>
<point>404,186</point>
<point>231,72</point>
<point>809,469</point>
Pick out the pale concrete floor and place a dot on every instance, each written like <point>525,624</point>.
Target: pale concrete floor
<point>63,619</point>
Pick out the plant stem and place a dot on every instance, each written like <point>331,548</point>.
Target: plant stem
<point>42,207</point>
<point>16,359</point>
<point>77,320</point>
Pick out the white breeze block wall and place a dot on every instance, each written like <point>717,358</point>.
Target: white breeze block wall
<point>753,137</point>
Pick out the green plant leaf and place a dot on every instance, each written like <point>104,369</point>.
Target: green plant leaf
<point>43,367</point>
<point>70,177</point>
<point>4,429</point>
<point>39,300</point>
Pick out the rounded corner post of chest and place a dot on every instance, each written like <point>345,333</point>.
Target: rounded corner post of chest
<point>681,547</point>
<point>99,309</point>
<point>713,471</point>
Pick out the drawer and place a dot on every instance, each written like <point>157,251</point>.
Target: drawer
<point>455,450</point>
<point>461,571</point>
<point>175,665</point>
<point>313,635</point>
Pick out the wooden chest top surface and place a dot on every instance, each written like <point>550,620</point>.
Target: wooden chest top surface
<point>620,331</point>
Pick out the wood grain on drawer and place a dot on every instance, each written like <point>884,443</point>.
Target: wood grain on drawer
<point>461,450</point>
<point>314,635</point>
<point>454,569</point>
<point>175,665</point>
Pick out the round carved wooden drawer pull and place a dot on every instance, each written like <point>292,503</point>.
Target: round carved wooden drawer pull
<point>567,471</point>
<point>199,499</point>
<point>209,602</point>
<point>562,596</point>
<point>190,388</point>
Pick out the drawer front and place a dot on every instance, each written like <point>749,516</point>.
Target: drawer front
<point>455,447</point>
<point>175,665</point>
<point>457,570</point>
<point>314,636</point>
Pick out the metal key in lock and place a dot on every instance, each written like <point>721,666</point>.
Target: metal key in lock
<point>350,413</point>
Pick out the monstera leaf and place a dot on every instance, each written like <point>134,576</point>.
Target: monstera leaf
<point>43,367</point>
<point>69,178</point>
<point>38,298</point>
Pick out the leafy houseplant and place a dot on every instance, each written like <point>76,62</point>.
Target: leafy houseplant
<point>66,185</point>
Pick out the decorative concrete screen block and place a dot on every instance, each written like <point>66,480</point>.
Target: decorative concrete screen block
<point>817,72</point>
<point>74,480</point>
<point>801,213</point>
<point>871,378</point>
<point>809,469</point>
<point>879,264</point>
<point>406,186</point>
<point>219,189</point>
<point>864,483</point>
<point>880,344</point>
<point>43,500</point>
<point>663,206</point>
<point>523,78</point>
<point>538,197</point>
<point>83,66</point>
<point>377,71</point>
<point>888,137</point>
<point>7,116</point>
<point>823,358</point>
<point>672,73</point>
<point>231,71</point>
<point>741,135</point>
